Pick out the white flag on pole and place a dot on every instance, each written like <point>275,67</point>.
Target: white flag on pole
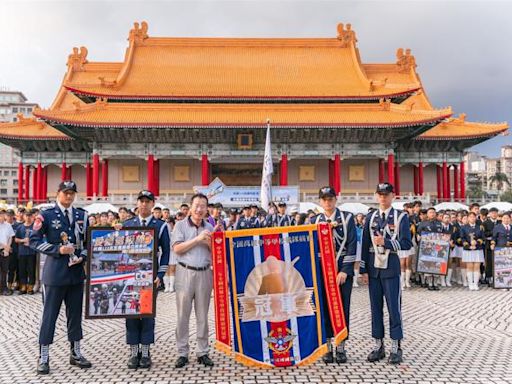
<point>268,170</point>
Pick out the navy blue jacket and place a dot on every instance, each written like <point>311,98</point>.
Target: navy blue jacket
<point>47,240</point>
<point>346,257</point>
<point>477,233</point>
<point>246,223</point>
<point>500,236</point>
<point>162,239</point>
<point>21,233</point>
<point>276,220</point>
<point>402,242</point>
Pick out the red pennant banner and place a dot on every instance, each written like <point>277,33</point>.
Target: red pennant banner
<point>220,285</point>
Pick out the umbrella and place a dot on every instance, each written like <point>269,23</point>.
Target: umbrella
<point>451,205</point>
<point>44,206</point>
<point>144,261</point>
<point>355,208</point>
<point>305,206</point>
<point>399,204</point>
<point>502,206</point>
<point>99,208</point>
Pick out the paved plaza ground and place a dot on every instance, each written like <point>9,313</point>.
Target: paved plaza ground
<point>451,336</point>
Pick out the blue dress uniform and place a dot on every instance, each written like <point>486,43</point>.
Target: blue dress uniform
<point>247,222</point>
<point>385,282</point>
<point>277,220</point>
<point>502,235</point>
<point>345,243</point>
<point>142,331</point>
<point>61,282</point>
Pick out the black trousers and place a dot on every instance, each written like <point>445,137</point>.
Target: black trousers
<point>54,295</point>
<point>4,268</point>
<point>27,269</point>
<point>13,268</point>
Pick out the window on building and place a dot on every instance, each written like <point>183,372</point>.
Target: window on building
<point>14,109</point>
<point>3,191</point>
<point>14,173</point>
<point>14,119</point>
<point>3,182</point>
<point>15,191</point>
<point>6,173</point>
<point>15,182</point>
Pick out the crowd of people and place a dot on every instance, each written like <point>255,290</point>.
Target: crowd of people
<point>468,267</point>
<point>378,249</point>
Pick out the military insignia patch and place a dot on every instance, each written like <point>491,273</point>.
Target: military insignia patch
<point>56,224</point>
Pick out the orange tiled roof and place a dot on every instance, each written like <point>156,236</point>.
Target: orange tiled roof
<point>458,128</point>
<point>162,68</point>
<point>102,113</point>
<point>30,129</point>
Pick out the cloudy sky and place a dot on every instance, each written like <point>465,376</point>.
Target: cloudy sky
<point>463,48</point>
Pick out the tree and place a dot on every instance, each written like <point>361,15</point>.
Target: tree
<point>500,179</point>
<point>475,192</point>
<point>506,196</point>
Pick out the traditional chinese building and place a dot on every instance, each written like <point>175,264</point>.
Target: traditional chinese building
<point>178,112</point>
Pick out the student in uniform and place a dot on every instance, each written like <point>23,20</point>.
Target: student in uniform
<point>473,242</point>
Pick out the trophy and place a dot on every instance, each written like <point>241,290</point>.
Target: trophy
<point>472,241</point>
<point>73,259</point>
<point>381,255</point>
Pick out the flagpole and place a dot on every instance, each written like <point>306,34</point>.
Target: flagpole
<point>268,170</point>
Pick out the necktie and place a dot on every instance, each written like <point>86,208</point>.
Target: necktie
<point>66,212</point>
<point>383,217</point>
<point>143,222</point>
<point>507,227</point>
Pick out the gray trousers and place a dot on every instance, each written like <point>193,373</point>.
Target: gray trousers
<point>192,288</point>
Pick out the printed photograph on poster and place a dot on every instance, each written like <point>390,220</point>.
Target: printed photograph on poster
<point>433,253</point>
<point>121,269</point>
<point>503,267</point>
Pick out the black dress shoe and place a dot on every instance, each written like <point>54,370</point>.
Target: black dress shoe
<point>328,358</point>
<point>431,288</point>
<point>205,360</point>
<point>377,354</point>
<point>80,362</point>
<point>395,358</point>
<point>133,362</point>
<point>145,362</point>
<point>341,357</point>
<point>181,362</point>
<point>43,368</point>
<point>436,288</point>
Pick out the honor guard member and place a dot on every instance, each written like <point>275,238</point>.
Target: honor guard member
<point>449,229</point>
<point>140,333</point>
<point>345,241</point>
<point>385,233</point>
<point>247,221</point>
<point>280,218</point>
<point>59,232</point>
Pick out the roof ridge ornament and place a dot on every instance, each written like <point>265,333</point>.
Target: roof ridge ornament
<point>346,36</point>
<point>101,102</point>
<point>385,104</point>
<point>139,33</point>
<point>78,58</point>
<point>23,119</point>
<point>405,61</point>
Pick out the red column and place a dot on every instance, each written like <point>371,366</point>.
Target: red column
<point>420,178</point>
<point>88,179</point>
<point>415,177</point>
<point>205,170</point>
<point>337,173</point>
<point>284,169</point>
<point>455,183</point>
<point>381,171</point>
<point>391,168</point>
<point>35,183</point>
<point>64,171</point>
<point>397,178</point>
<point>157,177</point>
<point>439,182</point>
<point>331,172</point>
<point>95,174</point>
<point>27,182</point>
<point>104,178</point>
<point>151,173</point>
<point>20,182</point>
<point>44,183</point>
<point>462,181</point>
<point>69,175</point>
<point>446,190</point>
